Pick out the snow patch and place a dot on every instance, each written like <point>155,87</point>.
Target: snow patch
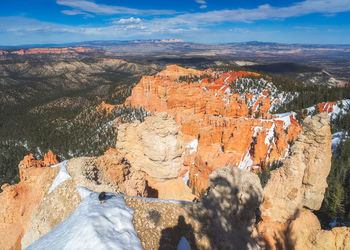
<point>83,191</point>
<point>270,135</point>
<point>337,138</point>
<point>285,117</point>
<point>186,177</point>
<point>62,176</point>
<point>94,226</point>
<point>246,163</point>
<point>193,145</point>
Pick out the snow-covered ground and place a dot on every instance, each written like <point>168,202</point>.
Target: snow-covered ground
<point>337,138</point>
<point>94,226</point>
<point>257,87</point>
<point>62,176</point>
<point>339,108</point>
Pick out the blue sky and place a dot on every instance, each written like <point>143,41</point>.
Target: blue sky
<point>205,21</point>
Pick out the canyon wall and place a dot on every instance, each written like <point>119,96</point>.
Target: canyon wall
<point>221,126</point>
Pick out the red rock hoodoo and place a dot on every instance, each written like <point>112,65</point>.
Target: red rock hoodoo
<point>221,126</point>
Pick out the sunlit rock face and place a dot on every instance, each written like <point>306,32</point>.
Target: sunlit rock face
<point>224,122</point>
<point>296,189</point>
<point>18,201</point>
<point>154,146</point>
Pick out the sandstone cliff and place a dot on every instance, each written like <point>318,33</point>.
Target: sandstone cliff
<point>297,188</point>
<point>18,201</point>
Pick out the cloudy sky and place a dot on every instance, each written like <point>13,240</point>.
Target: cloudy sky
<point>205,21</point>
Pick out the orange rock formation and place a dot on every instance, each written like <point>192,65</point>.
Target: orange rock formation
<point>220,121</point>
<point>30,161</point>
<point>106,107</point>
<point>18,201</point>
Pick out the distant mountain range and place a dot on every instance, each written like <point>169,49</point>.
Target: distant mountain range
<point>170,41</point>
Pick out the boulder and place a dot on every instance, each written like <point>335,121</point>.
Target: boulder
<point>154,146</point>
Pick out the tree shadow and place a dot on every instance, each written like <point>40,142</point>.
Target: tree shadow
<point>171,237</point>
<point>227,216</point>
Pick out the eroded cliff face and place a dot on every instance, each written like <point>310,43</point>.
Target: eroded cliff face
<point>18,201</point>
<point>296,189</point>
<point>224,123</point>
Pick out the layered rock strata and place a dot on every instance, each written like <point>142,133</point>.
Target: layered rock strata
<point>228,128</point>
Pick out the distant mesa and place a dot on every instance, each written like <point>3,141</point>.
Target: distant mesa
<point>32,51</point>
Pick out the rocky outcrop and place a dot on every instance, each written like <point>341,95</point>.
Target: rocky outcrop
<point>154,146</point>
<point>297,188</point>
<point>232,126</point>
<point>51,210</point>
<point>31,161</point>
<point>108,173</point>
<point>173,189</point>
<point>18,201</point>
<point>108,108</point>
<point>301,181</point>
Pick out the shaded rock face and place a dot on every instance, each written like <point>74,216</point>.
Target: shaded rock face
<point>222,220</point>
<point>297,188</point>
<point>229,126</point>
<point>230,208</point>
<point>154,146</point>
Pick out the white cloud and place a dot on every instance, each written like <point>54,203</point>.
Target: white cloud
<point>76,12</point>
<point>203,4</point>
<point>138,27</point>
<point>130,20</point>
<point>102,9</point>
<point>73,12</point>
<point>262,12</point>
